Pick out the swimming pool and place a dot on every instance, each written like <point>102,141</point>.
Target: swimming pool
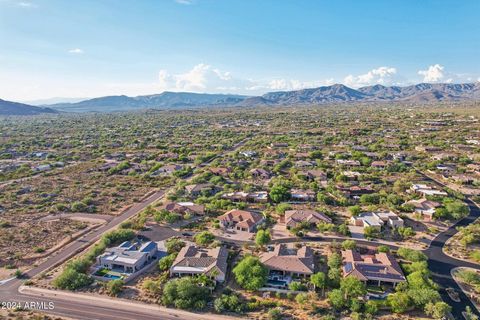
<point>277,283</point>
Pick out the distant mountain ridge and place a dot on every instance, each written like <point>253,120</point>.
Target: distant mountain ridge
<point>9,108</point>
<point>163,100</point>
<point>337,93</point>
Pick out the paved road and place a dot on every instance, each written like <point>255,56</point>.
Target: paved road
<point>91,309</point>
<point>81,243</point>
<point>84,307</point>
<point>441,264</point>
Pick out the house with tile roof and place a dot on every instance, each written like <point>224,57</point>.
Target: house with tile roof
<point>380,268</point>
<point>426,208</point>
<point>240,220</point>
<point>285,264</point>
<point>193,260</point>
<point>295,217</point>
<point>183,208</point>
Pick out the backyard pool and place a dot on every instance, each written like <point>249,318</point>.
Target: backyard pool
<point>105,273</point>
<point>277,283</point>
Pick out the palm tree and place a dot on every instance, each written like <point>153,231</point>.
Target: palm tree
<point>319,280</point>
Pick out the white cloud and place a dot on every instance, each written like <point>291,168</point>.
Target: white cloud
<point>381,75</point>
<point>76,51</point>
<point>434,73</point>
<point>24,4</point>
<point>206,78</point>
<point>186,2</point>
<point>202,78</point>
<point>285,84</point>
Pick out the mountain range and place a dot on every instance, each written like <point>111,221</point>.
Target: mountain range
<point>162,100</point>
<point>9,108</point>
<point>337,93</point>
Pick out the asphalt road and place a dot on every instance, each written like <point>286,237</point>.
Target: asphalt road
<point>79,309</point>
<point>439,264</point>
<point>79,244</point>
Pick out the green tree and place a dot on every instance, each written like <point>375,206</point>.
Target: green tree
<point>275,314</point>
<point>349,244</point>
<point>352,288</point>
<point>411,255</point>
<point>279,193</point>
<point>319,280</point>
<point>355,210</point>
<point>383,248</point>
<point>166,262</point>
<point>371,307</point>
<point>297,286</point>
<point>114,287</point>
<point>204,238</point>
<point>250,273</point>
<point>72,279</point>
<point>437,310</point>
<point>185,293</point>
<point>228,303</point>
<point>174,245</point>
<point>302,298</point>
<point>336,299</point>
<point>399,302</point>
<point>263,237</point>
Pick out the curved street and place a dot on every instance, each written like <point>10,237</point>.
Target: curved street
<point>81,307</point>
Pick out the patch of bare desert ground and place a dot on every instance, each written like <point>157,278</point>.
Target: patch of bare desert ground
<point>25,235</point>
<point>27,315</point>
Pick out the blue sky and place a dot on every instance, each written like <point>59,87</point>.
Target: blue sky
<point>53,48</point>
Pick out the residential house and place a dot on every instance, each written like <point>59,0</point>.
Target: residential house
<point>221,171</point>
<point>425,190</point>
<point>240,196</point>
<point>248,153</point>
<point>317,175</point>
<point>377,220</point>
<point>424,207</point>
<point>196,190</point>
<point>128,257</point>
<point>237,196</point>
<point>351,175</point>
<point>301,155</point>
<point>294,217</point>
<point>258,197</point>
<point>284,264</point>
<point>379,164</point>
<point>241,220</point>
<point>278,145</point>
<point>302,195</point>
<point>377,269</point>
<point>183,208</point>
<point>42,168</point>
<point>193,260</point>
<point>166,170</point>
<point>269,162</point>
<point>348,163</point>
<point>304,164</point>
<point>259,173</point>
<point>427,149</point>
<point>355,192</point>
